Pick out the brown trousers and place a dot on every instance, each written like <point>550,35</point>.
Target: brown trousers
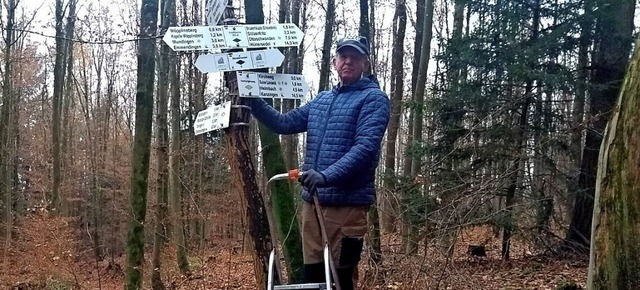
<point>346,227</point>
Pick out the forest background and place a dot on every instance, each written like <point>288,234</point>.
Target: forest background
<point>487,176</point>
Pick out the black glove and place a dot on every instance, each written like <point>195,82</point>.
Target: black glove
<point>311,180</point>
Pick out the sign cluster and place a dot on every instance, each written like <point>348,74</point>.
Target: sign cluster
<point>250,84</point>
<point>213,118</point>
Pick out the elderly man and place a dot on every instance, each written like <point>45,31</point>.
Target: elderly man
<point>344,126</point>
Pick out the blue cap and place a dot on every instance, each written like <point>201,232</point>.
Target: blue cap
<point>361,44</point>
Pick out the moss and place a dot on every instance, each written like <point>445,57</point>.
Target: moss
<point>59,283</point>
<point>616,256</point>
<point>568,285</point>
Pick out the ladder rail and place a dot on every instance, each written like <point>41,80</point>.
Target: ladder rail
<point>271,266</point>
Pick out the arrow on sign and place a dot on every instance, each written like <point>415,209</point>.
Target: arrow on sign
<point>215,8</point>
<point>232,36</point>
<point>244,60</point>
<point>213,118</point>
<point>286,86</point>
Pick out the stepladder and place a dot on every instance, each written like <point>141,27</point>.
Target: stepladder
<point>324,285</point>
<point>330,274</point>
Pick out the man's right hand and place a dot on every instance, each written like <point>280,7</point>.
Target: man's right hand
<point>312,180</point>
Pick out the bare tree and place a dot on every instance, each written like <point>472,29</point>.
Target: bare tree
<point>411,238</point>
<point>58,82</point>
<point>397,85</point>
<point>141,143</point>
<point>162,137</point>
<point>325,68</point>
<point>68,96</point>
<point>7,124</point>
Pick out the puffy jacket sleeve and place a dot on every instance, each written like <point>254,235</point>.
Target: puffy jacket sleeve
<point>372,123</point>
<point>291,122</point>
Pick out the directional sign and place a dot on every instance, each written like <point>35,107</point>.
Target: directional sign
<point>241,60</point>
<point>215,8</point>
<point>286,86</point>
<point>213,118</point>
<point>232,36</point>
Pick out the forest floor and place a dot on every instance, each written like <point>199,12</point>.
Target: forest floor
<point>44,254</point>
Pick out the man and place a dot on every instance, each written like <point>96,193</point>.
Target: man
<point>344,126</point>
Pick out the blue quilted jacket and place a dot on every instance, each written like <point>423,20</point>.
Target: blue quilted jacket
<point>344,128</point>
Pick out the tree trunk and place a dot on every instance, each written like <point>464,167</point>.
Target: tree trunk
<point>93,213</point>
<point>615,255</point>
<point>364,29</point>
<point>274,162</point>
<point>292,65</point>
<point>242,166</point>
<point>417,46</point>
<point>418,97</point>
<point>614,38</point>
<point>372,35</point>
<point>175,167</point>
<point>417,50</point>
<point>325,69</point>
<point>141,143</point>
<point>7,137</point>
<point>577,112</point>
<point>397,85</point>
<point>374,216</point>
<point>519,145</point>
<point>199,82</point>
<point>58,81</point>
<point>162,136</point>
<point>68,99</point>
<point>284,207</point>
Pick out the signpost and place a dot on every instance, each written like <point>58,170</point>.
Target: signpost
<point>232,36</point>
<point>213,118</point>
<point>215,8</point>
<point>241,60</point>
<point>266,85</point>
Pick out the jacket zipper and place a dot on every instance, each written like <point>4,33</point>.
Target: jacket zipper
<point>326,122</point>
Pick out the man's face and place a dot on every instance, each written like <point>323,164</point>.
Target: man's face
<point>350,64</point>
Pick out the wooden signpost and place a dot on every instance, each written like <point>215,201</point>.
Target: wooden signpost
<point>233,116</point>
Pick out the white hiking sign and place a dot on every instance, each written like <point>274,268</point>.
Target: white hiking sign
<point>241,60</point>
<point>232,36</point>
<point>266,85</point>
<point>213,118</point>
<point>215,9</point>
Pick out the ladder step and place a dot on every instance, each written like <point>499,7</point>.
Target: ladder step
<point>322,286</point>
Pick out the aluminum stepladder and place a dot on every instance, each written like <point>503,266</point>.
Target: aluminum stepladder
<point>330,273</point>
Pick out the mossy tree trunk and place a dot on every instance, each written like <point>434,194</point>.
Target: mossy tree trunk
<point>141,143</point>
<point>615,239</point>
<point>162,137</point>
<point>282,193</point>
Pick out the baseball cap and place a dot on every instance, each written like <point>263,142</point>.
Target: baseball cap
<point>361,44</point>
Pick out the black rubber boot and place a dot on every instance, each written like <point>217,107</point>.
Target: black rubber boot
<point>345,277</point>
<point>313,273</point>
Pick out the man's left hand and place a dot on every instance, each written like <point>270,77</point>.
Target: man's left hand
<point>312,180</point>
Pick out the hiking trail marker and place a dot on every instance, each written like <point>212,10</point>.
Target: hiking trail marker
<point>267,85</point>
<point>241,60</point>
<point>213,118</point>
<point>189,38</point>
<point>215,8</point>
